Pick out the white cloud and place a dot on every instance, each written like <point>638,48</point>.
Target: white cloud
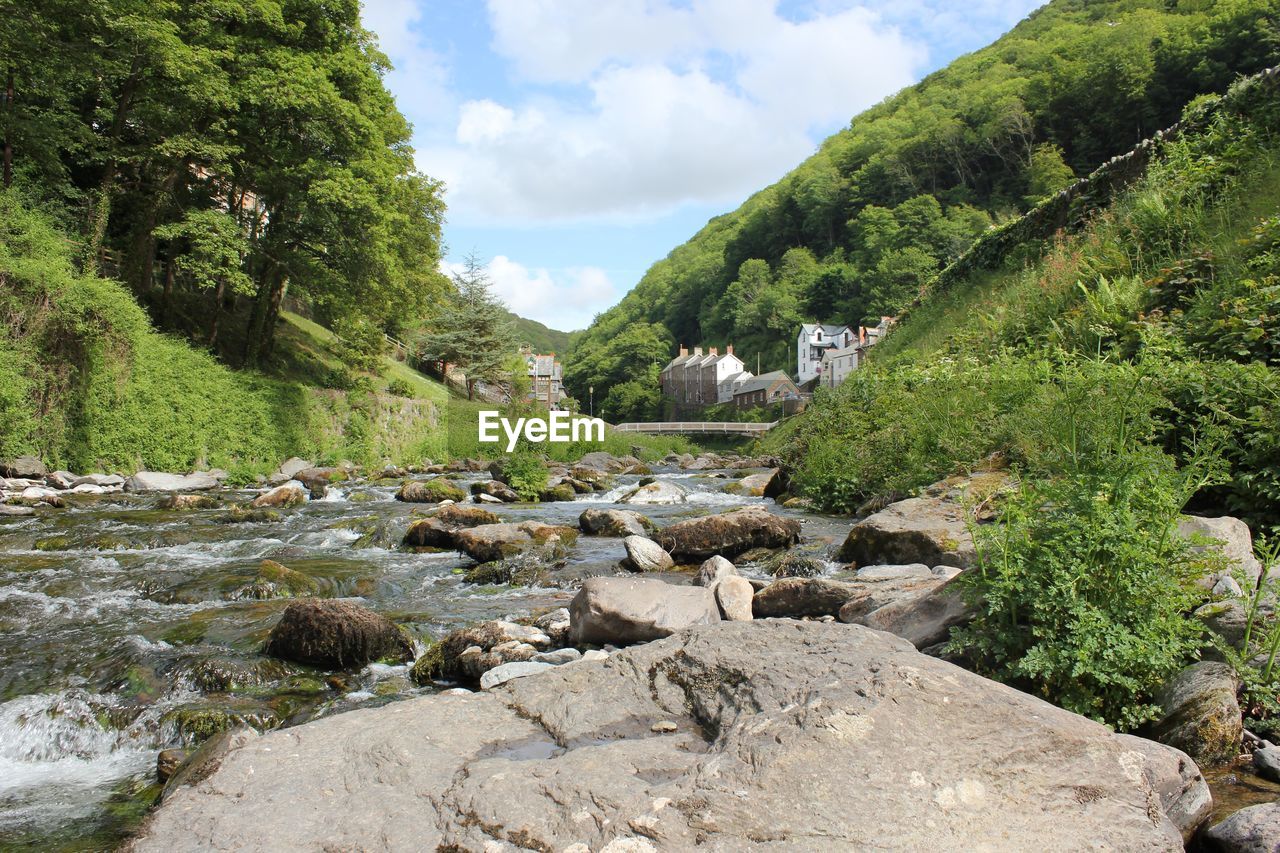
<point>626,109</point>
<point>701,104</point>
<point>563,299</point>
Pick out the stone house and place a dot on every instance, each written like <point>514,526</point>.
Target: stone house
<point>763,390</point>
<point>703,378</point>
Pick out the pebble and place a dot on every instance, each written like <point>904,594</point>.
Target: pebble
<point>663,727</point>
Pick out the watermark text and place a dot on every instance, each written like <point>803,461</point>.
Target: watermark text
<point>558,426</point>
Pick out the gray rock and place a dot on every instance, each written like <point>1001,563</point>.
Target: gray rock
<point>601,461</point>
<point>928,530</point>
<point>923,619</point>
<point>158,481</point>
<point>645,555</point>
<point>291,493</point>
<point>1184,793</point>
<point>1228,619</point>
<point>105,480</point>
<point>796,597</point>
<point>559,657</point>
<point>1231,537</point>
<point>713,570</point>
<point>657,492</point>
<point>868,597</point>
<point>495,489</point>
<point>507,671</point>
<point>753,485</point>
<point>595,655</point>
<point>635,610</point>
<point>1255,829</point>
<point>892,573</point>
<point>614,522</point>
<point>773,719</point>
<point>63,480</point>
<point>1201,712</point>
<point>289,468</point>
<point>1266,761</point>
<point>488,499</point>
<point>23,467</point>
<point>14,511</point>
<point>734,595</point>
<point>488,542</point>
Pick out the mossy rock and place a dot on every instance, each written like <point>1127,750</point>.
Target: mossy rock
<point>277,581</point>
<point>361,497</point>
<point>247,514</point>
<point>732,488</point>
<point>197,724</point>
<point>430,665</point>
<point>525,569</point>
<point>558,492</point>
<point>53,543</point>
<point>430,491</point>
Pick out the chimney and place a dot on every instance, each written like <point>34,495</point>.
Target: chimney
<point>697,351</point>
<point>862,334</point>
<point>714,351</point>
<point>728,350</point>
<point>684,351</point>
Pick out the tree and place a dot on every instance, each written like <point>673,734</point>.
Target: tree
<point>472,332</point>
<point>210,252</point>
<point>1047,173</point>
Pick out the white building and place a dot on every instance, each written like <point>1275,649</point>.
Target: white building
<point>837,364</point>
<point>813,342</point>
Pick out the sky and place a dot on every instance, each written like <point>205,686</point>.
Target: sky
<point>580,141</point>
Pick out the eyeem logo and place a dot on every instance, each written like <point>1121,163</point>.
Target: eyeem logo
<point>558,426</point>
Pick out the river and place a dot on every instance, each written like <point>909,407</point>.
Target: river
<point>126,630</point>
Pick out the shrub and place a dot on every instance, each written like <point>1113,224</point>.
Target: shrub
<point>1082,587</point>
<point>526,474</point>
<point>398,387</point>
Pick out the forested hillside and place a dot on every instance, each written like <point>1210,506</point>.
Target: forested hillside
<point>861,227</point>
<point>204,162</point>
<point>541,337</point>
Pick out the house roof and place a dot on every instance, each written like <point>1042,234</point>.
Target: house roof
<point>677,361</point>
<point>836,353</point>
<point>762,382</point>
<point>740,376</point>
<point>827,329</point>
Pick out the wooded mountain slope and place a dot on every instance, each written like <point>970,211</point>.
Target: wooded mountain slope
<point>860,227</point>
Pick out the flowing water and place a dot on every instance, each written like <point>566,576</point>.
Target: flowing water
<point>126,631</point>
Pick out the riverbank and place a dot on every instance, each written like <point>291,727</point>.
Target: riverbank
<point>138,622</point>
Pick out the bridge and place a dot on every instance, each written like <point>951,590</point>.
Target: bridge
<point>698,427</point>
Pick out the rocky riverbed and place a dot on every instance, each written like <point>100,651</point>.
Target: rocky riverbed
<point>162,622</point>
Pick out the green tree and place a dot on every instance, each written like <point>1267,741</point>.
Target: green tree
<point>472,332</point>
<point>209,251</point>
<point>1047,173</point>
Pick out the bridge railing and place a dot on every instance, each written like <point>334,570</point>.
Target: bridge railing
<point>727,427</point>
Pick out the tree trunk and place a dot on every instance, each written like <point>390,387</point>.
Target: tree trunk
<point>217,311</point>
<point>166,304</point>
<point>142,260</point>
<point>8,129</point>
<point>260,332</point>
<point>100,213</point>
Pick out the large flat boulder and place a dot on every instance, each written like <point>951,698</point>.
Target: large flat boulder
<point>728,534</point>
<point>778,734</point>
<point>636,610</point>
<point>159,481</point>
<point>797,597</point>
<point>658,492</point>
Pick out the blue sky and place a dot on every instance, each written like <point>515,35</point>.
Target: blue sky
<point>582,140</point>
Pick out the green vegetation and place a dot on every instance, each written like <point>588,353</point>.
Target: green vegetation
<point>525,474</point>
<point>857,230</point>
<point>542,339</point>
<point>1125,373</point>
<point>88,384</point>
<point>1097,642</point>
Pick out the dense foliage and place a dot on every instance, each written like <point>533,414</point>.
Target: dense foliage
<point>236,149</point>
<point>857,229</point>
